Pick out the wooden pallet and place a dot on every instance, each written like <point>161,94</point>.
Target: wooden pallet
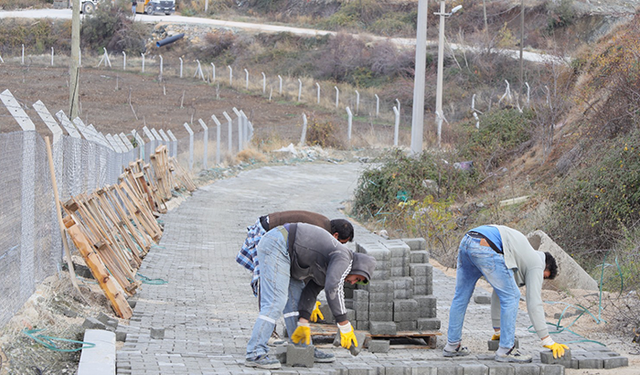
<point>401,340</point>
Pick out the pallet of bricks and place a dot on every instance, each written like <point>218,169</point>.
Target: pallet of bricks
<point>398,305</point>
<point>114,227</point>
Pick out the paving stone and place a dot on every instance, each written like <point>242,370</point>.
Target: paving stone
<point>428,324</point>
<point>527,369</point>
<point>497,368</point>
<point>552,370</point>
<point>93,323</point>
<point>416,243</point>
<point>379,346</point>
<point>382,328</point>
<point>546,356</point>
<point>300,356</point>
<point>595,363</point>
<point>615,362</point>
<point>474,369</point>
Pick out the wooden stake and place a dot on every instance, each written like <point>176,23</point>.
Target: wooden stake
<point>63,234</point>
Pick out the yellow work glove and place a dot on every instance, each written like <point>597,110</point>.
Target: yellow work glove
<point>557,349</point>
<point>316,314</point>
<point>496,336</point>
<point>347,336</point>
<point>303,332</point>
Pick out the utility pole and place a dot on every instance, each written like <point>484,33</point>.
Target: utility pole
<point>417,118</point>
<point>521,49</point>
<point>74,69</point>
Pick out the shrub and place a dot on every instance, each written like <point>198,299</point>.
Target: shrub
<point>37,37</point>
<point>501,133</point>
<point>324,134</point>
<point>111,27</point>
<point>397,177</point>
<point>598,203</point>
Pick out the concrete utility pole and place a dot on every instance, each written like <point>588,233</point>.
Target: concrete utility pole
<point>439,114</point>
<point>417,118</point>
<point>521,49</point>
<point>74,72</point>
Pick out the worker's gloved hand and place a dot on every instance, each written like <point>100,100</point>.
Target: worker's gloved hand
<point>557,349</point>
<point>303,332</point>
<point>347,336</point>
<point>316,313</point>
<point>496,336</point>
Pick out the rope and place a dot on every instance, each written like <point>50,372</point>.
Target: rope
<point>146,280</point>
<point>48,341</point>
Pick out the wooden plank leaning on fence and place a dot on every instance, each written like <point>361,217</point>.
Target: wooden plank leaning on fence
<point>138,207</point>
<point>161,172</point>
<point>98,232</point>
<point>112,290</point>
<point>181,175</point>
<point>128,221</point>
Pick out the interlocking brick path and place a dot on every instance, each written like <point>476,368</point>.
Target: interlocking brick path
<point>206,310</point>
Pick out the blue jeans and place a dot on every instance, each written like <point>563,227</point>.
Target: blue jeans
<point>278,292</point>
<point>475,261</point>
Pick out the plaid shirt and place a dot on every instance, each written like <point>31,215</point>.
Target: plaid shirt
<point>248,257</point>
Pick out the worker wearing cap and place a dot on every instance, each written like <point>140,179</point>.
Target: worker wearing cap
<point>298,261</point>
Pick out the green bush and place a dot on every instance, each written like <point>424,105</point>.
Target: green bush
<point>324,134</point>
<point>397,177</point>
<point>501,133</point>
<point>597,204</point>
<point>37,37</point>
<point>112,27</point>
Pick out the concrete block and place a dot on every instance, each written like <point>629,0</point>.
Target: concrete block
<point>362,325</point>
<point>381,306</point>
<point>415,244</point>
<point>407,326</point>
<point>380,286</point>
<point>100,359</point>
<point>361,295</point>
<point>596,363</point>
<point>362,315</point>
<point>497,368</point>
<point>405,316</point>
<point>421,256</point>
<point>354,350</point>
<point>399,262</point>
<point>398,249</point>
<point>93,323</point>
<point>157,333</point>
<point>482,299</point>
<point>403,293</point>
<point>348,303</point>
<point>300,356</point>
<point>375,297</point>
<point>421,269</point>
<point>552,370</point>
<point>381,316</point>
<point>405,305</point>
<point>493,345</point>
<point>382,328</point>
<point>376,250</point>
<point>428,324</point>
<point>397,272</point>
<point>379,346</point>
<point>395,369</point>
<point>474,369</point>
<point>447,368</point>
<point>381,274</point>
<point>426,302</point>
<point>405,282</point>
<point>326,312</point>
<point>121,334</point>
<point>351,314</point>
<point>615,362</point>
<point>546,356</point>
<point>279,353</point>
<point>527,369</point>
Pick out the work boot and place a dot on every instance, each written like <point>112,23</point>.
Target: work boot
<point>275,340</point>
<point>514,356</point>
<point>459,352</point>
<point>323,357</point>
<point>264,362</point>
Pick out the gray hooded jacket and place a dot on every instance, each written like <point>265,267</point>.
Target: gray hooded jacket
<point>322,262</point>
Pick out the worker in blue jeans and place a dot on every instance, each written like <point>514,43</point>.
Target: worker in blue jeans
<point>507,260</point>
<point>134,3</point>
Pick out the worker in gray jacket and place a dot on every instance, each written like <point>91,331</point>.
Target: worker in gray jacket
<point>507,260</point>
<point>298,261</point>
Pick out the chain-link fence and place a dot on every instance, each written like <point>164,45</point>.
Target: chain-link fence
<point>30,240</point>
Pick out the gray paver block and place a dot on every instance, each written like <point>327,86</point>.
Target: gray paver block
<point>474,369</point>
<point>379,346</point>
<point>421,256</point>
<point>546,356</point>
<point>493,345</point>
<point>407,326</point>
<point>405,306</point>
<point>614,362</point>
<point>362,325</point>
<point>417,243</point>
<point>382,328</point>
<point>527,369</point>
<point>361,295</point>
<point>428,324</point>
<point>380,286</point>
<point>93,323</point>
<point>596,363</point>
<point>448,368</point>
<point>300,356</point>
<point>157,333</point>
<point>354,350</point>
<point>497,368</point>
<point>482,299</point>
<point>279,353</point>
<point>552,370</point>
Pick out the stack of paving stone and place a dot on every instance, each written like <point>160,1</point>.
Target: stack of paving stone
<point>399,296</point>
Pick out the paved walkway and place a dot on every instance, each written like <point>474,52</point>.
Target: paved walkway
<point>200,321</point>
